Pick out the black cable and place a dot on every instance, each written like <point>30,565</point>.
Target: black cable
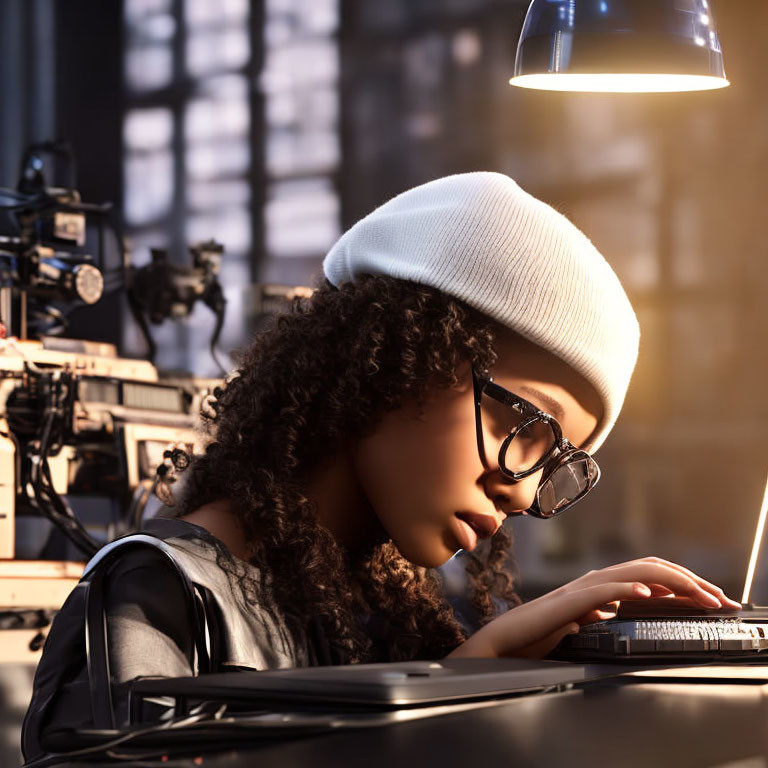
<point>139,501</point>
<point>48,501</point>
<point>45,499</point>
<point>104,748</point>
<point>137,310</point>
<point>56,318</point>
<point>65,514</point>
<point>214,339</point>
<point>50,505</point>
<point>216,301</point>
<point>12,200</point>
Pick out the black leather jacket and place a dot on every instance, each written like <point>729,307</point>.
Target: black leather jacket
<point>148,604</point>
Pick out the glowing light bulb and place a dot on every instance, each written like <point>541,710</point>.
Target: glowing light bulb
<point>619,83</point>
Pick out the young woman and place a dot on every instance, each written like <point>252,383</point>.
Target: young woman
<point>464,353</point>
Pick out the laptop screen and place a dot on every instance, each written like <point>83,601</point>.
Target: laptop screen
<point>756,581</point>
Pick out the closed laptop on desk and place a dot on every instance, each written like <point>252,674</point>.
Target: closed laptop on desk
<point>380,686</point>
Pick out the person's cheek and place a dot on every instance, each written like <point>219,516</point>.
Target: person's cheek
<point>424,488</point>
<point>397,470</point>
<point>418,471</point>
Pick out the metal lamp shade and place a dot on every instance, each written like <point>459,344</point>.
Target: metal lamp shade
<point>619,45</point>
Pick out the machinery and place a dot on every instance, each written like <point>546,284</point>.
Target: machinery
<point>75,419</point>
<point>81,429</point>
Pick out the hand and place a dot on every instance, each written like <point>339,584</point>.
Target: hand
<point>533,629</point>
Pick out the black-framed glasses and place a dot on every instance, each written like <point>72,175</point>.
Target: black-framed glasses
<point>534,440</point>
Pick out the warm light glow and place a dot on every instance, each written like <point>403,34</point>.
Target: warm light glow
<point>619,83</point>
<point>755,547</point>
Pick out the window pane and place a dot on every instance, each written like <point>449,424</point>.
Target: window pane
<point>213,194</point>
<point>148,129</point>
<point>292,152</point>
<point>301,217</point>
<point>219,159</point>
<point>217,50</point>
<point>307,63</point>
<point>148,67</point>
<point>148,186</point>
<point>306,17</point>
<point>204,13</point>
<point>208,119</point>
<point>229,226</point>
<point>156,28</point>
<point>137,10</point>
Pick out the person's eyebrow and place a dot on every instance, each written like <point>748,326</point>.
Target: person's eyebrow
<point>551,405</point>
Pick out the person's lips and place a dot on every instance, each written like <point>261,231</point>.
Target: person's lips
<point>465,535</point>
<point>484,526</point>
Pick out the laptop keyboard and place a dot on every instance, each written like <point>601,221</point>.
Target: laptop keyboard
<point>643,636</point>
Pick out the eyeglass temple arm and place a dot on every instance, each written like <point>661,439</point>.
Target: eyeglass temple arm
<point>477,387</point>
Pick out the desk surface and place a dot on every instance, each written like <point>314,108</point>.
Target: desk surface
<point>646,724</point>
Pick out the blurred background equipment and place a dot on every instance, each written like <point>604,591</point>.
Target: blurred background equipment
<point>76,418</point>
<point>162,290</point>
<point>637,46</point>
<point>44,268</point>
<point>78,421</point>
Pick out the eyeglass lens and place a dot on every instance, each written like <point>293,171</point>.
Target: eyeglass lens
<point>533,440</point>
<point>570,480</point>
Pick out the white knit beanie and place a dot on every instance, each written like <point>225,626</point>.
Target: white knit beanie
<point>483,239</point>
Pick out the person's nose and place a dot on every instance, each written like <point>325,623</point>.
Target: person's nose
<point>512,496</point>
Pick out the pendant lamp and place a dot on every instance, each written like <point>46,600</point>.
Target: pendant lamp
<point>619,46</point>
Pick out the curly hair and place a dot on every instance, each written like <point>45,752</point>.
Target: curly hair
<point>319,375</point>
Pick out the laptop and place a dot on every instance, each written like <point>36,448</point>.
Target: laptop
<point>364,688</point>
<point>647,633</point>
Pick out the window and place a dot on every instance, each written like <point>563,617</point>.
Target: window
<point>187,155</point>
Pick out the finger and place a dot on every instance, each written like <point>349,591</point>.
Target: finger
<point>607,608</point>
<point>664,597</point>
<point>673,601</point>
<point>703,583</point>
<point>708,585</point>
<point>588,618</point>
<point>612,605</point>
<point>601,613</point>
<point>659,590</point>
<point>663,575</point>
<point>598,615</point>
<point>529,622</point>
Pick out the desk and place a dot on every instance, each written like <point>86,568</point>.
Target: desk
<point>611,723</point>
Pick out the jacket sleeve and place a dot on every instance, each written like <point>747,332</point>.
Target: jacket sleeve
<point>149,629</point>
<point>149,632</point>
